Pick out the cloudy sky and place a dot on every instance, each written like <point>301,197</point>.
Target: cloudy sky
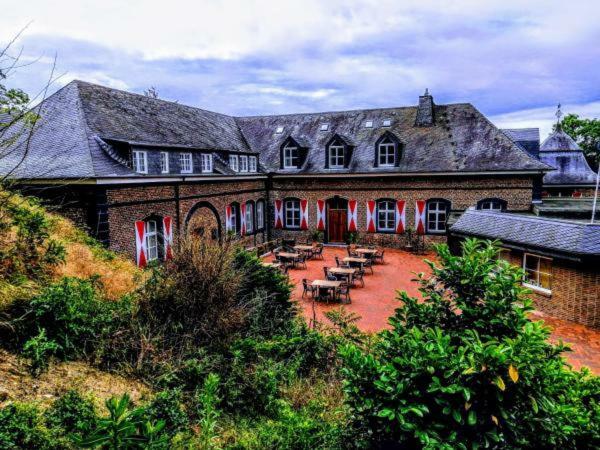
<point>514,60</point>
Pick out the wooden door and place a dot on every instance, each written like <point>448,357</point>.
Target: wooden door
<point>337,225</point>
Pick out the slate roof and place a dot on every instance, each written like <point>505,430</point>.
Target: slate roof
<point>81,121</point>
<point>461,140</point>
<point>552,235</point>
<point>527,138</point>
<point>560,151</point>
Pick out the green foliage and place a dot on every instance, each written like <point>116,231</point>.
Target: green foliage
<point>39,349</point>
<point>207,412</point>
<point>22,427</point>
<point>72,413</point>
<point>586,132</point>
<point>166,407</point>
<point>125,428</point>
<point>465,368</point>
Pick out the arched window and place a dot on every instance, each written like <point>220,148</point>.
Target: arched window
<point>249,217</point>
<point>386,153</point>
<point>336,154</point>
<point>437,214</point>
<point>260,215</point>
<point>291,211</point>
<point>291,156</point>
<point>386,215</point>
<point>492,204</point>
<point>154,238</point>
<point>234,224</point>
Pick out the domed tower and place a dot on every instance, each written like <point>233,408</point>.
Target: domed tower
<point>573,176</point>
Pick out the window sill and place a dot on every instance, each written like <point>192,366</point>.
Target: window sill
<point>540,290</point>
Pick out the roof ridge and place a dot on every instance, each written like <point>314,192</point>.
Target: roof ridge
<point>86,130</point>
<point>529,218</point>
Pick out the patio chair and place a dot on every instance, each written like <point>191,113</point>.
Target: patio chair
<point>318,251</point>
<point>300,259</point>
<point>369,264</point>
<point>326,271</point>
<point>351,252</point>
<point>341,264</point>
<point>343,291</point>
<point>332,277</point>
<point>308,288</point>
<point>379,256</point>
<point>358,276</point>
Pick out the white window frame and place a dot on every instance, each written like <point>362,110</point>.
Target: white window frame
<point>292,214</point>
<point>207,162</point>
<point>243,163</point>
<point>151,240</point>
<point>369,124</point>
<point>532,284</point>
<point>183,165</point>
<point>388,214</point>
<point>390,153</point>
<point>386,123</point>
<point>253,164</point>
<point>249,218</point>
<point>291,157</point>
<point>437,225</point>
<point>335,156</point>
<point>233,218</point>
<point>234,163</point>
<point>260,215</point>
<point>139,159</point>
<point>164,162</point>
<point>491,204</point>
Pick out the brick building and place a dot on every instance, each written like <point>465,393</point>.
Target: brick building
<point>139,171</point>
<point>561,259</point>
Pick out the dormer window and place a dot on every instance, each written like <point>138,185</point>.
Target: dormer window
<point>369,124</point>
<point>386,153</point>
<point>336,155</point>
<point>207,163</point>
<point>279,130</point>
<point>164,162</point>
<point>185,163</point>
<point>291,156</point>
<point>324,127</point>
<point>387,122</point>
<point>233,163</point>
<point>243,163</point>
<point>140,161</point>
<point>253,163</point>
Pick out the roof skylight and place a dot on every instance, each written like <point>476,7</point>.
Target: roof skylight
<point>279,130</point>
<point>324,127</point>
<point>369,124</point>
<point>387,122</point>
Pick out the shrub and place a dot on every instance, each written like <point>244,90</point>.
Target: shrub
<point>208,413</point>
<point>72,413</point>
<point>166,406</point>
<point>39,350</point>
<point>22,427</point>
<point>466,368</point>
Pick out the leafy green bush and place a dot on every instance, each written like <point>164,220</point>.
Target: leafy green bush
<point>72,413</point>
<point>166,406</point>
<point>22,427</point>
<point>466,368</point>
<point>39,350</point>
<point>208,413</point>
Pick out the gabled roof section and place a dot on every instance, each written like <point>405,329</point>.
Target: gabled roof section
<point>548,234</point>
<point>559,141</point>
<point>460,140</point>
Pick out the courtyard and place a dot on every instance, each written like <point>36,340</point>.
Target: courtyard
<point>377,300</point>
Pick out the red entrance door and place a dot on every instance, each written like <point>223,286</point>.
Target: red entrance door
<point>337,224</point>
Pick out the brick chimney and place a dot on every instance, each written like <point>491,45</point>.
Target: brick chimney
<point>425,116</point>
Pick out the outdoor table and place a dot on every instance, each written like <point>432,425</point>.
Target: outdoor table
<point>353,261</point>
<point>289,257</point>
<point>303,247</point>
<point>326,284</point>
<point>348,272</point>
<point>366,251</point>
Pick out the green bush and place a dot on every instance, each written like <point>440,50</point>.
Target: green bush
<point>22,427</point>
<point>166,406</point>
<point>39,350</point>
<point>466,368</point>
<point>72,413</point>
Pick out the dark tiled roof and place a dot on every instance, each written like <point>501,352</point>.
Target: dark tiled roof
<point>548,234</point>
<point>560,151</point>
<point>461,140</point>
<point>523,134</point>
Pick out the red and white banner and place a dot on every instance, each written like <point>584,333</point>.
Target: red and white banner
<point>352,215</point>
<point>400,216</point>
<point>321,215</point>
<point>243,219</point>
<point>420,217</point>
<point>371,216</point>
<point>228,226</point>
<point>304,214</point>
<point>168,236</point>
<point>278,214</point>
<point>140,243</point>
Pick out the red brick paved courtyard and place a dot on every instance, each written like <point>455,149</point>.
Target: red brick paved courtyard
<point>377,301</point>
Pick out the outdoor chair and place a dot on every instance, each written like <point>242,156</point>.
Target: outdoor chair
<point>369,264</point>
<point>351,253</point>
<point>332,277</point>
<point>326,271</point>
<point>300,259</point>
<point>340,264</point>
<point>308,288</point>
<point>318,252</point>
<point>343,291</point>
<point>379,256</point>
<point>358,276</point>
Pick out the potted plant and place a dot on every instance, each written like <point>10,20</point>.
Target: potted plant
<point>317,236</point>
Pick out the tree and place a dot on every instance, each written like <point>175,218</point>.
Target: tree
<point>466,368</point>
<point>586,132</point>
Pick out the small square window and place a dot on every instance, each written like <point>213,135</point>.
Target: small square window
<point>369,124</point>
<point>324,127</point>
<point>279,130</point>
<point>387,122</point>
